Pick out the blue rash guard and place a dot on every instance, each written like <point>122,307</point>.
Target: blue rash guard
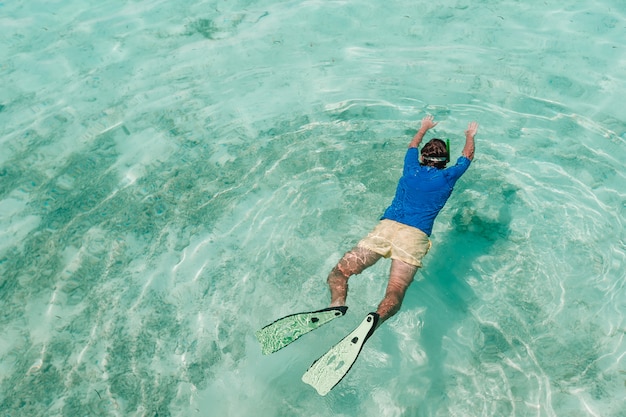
<point>423,191</point>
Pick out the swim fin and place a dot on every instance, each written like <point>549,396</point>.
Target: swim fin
<point>329,370</point>
<point>288,329</point>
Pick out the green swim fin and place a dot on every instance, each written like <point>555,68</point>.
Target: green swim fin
<point>288,329</point>
<point>329,370</point>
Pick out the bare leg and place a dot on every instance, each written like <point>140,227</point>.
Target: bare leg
<point>352,263</point>
<point>400,277</point>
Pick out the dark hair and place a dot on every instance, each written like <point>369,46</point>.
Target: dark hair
<point>435,148</point>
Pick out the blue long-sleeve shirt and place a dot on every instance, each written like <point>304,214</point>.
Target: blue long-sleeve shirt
<point>423,191</point>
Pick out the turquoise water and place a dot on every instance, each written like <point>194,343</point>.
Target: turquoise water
<point>175,175</point>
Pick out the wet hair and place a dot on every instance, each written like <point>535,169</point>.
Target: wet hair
<point>435,153</point>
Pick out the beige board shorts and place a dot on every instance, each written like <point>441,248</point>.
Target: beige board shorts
<point>397,241</point>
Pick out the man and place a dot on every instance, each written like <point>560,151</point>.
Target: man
<point>403,232</point>
<point>402,235</point>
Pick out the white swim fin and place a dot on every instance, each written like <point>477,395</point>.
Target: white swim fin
<point>329,370</point>
<point>288,329</point>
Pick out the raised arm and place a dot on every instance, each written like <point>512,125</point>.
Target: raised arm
<point>427,123</point>
<point>468,150</point>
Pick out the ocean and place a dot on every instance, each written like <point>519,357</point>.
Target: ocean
<point>176,175</point>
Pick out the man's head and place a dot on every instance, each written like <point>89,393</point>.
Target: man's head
<point>435,154</point>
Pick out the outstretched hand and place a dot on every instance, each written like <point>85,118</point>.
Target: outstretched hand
<point>472,128</point>
<point>428,122</point>
<point>468,150</point>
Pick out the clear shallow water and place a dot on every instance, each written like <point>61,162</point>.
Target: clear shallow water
<point>175,176</point>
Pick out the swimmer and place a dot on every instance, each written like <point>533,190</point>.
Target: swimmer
<point>405,227</point>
